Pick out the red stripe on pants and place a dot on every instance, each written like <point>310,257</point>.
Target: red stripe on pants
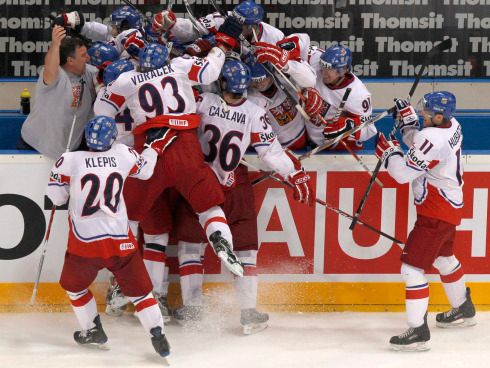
<point>154,256</point>
<point>190,270</point>
<point>80,302</point>
<point>453,277</point>
<point>417,294</point>
<point>214,219</point>
<point>145,304</point>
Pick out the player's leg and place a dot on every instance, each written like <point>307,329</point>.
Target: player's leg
<point>77,274</point>
<point>462,312</point>
<point>131,274</point>
<point>138,208</point>
<point>423,245</point>
<point>198,185</point>
<point>240,211</point>
<point>191,280</point>
<point>191,242</point>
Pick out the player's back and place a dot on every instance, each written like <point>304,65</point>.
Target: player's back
<point>167,90</point>
<point>225,133</point>
<point>97,209</point>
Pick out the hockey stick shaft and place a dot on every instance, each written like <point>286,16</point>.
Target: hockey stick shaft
<point>43,253</point>
<point>325,204</point>
<point>444,45</point>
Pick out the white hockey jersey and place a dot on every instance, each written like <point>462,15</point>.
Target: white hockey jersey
<point>226,131</point>
<point>184,31</point>
<point>167,90</point>
<point>433,165</point>
<point>94,182</point>
<point>359,102</point>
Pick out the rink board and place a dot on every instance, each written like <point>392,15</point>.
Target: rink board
<point>308,259</point>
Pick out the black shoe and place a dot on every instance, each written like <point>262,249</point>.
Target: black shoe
<point>223,250</point>
<point>413,339</point>
<point>94,336</point>
<point>461,316</point>
<point>253,321</point>
<point>160,342</point>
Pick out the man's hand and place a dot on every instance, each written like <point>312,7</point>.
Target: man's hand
<point>386,148</point>
<point>408,118</point>
<point>228,34</point>
<point>266,52</point>
<point>339,127</point>
<point>57,35</point>
<point>199,48</point>
<point>133,44</point>
<point>314,104</point>
<point>163,21</point>
<point>73,20</point>
<point>299,181</point>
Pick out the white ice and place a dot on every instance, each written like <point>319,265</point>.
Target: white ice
<point>296,340</point>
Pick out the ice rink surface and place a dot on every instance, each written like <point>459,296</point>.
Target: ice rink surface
<point>292,340</point>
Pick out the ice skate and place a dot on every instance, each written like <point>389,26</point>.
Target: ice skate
<point>223,250</point>
<point>189,315</point>
<point>413,339</point>
<point>462,316</point>
<point>95,336</point>
<point>160,342</point>
<point>163,305</point>
<point>253,321</point>
<point>116,302</point>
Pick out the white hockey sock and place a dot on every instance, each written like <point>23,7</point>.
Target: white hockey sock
<point>191,272</point>
<point>416,294</point>
<point>85,308</point>
<point>147,311</point>
<point>155,258</point>
<point>246,286</point>
<point>213,220</point>
<point>452,279</point>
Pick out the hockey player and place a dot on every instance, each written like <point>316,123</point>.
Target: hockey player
<point>161,95</point>
<point>248,13</point>
<point>287,122</point>
<point>99,235</point>
<point>334,76</point>
<point>433,166</point>
<point>227,129</point>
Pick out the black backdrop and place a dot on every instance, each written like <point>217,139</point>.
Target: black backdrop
<point>389,38</point>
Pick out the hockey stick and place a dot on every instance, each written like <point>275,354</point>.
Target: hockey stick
<point>444,45</point>
<point>197,26</point>
<point>325,204</point>
<point>53,210</point>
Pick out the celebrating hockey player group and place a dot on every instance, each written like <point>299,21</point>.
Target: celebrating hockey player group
<point>178,103</point>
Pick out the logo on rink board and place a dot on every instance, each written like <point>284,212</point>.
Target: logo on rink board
<point>295,239</point>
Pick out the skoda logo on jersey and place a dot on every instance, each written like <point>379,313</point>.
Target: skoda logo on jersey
<point>415,160</point>
<point>178,122</point>
<point>267,137</point>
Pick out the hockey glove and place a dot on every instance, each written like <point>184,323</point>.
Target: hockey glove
<point>229,32</point>
<point>408,118</point>
<point>339,127</point>
<point>133,44</point>
<point>299,181</point>
<point>160,138</point>
<point>73,20</point>
<point>199,48</point>
<point>266,52</point>
<point>314,104</point>
<point>163,21</point>
<point>385,149</point>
